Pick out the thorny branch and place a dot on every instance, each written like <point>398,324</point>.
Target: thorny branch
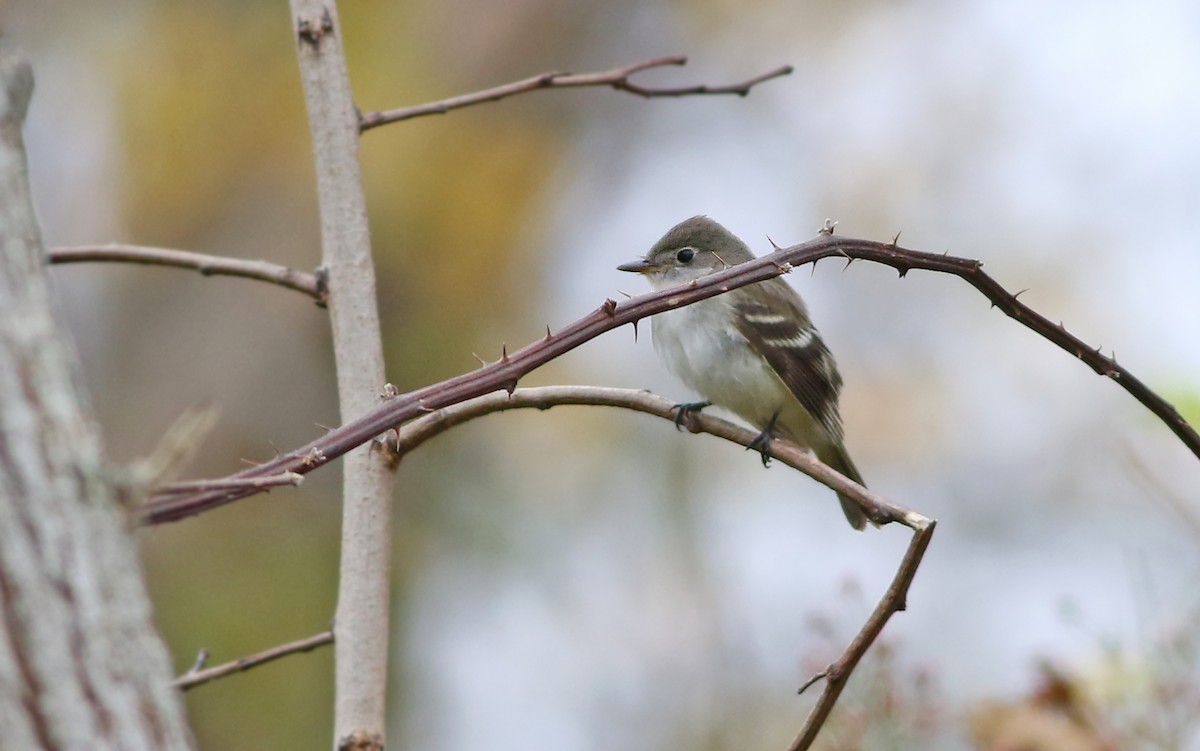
<point>263,271</point>
<point>617,78</point>
<point>506,372</point>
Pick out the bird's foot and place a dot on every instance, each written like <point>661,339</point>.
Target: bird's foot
<point>686,408</point>
<point>762,443</point>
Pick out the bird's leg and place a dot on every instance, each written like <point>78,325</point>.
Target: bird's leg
<point>686,408</point>
<point>763,441</point>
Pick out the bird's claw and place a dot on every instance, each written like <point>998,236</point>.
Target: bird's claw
<point>762,443</point>
<point>686,408</point>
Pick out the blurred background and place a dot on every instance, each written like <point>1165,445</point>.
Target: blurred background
<point>588,579</point>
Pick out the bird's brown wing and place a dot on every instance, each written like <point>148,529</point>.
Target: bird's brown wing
<point>773,319</point>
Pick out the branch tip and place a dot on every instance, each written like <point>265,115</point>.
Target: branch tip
<point>811,682</point>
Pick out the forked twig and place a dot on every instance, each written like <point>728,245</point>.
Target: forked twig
<point>617,78</point>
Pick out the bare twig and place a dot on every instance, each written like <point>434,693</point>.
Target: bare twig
<point>892,602</point>
<point>877,509</point>
<point>196,676</point>
<point>505,373</point>
<point>617,78</point>
<point>209,265</point>
<point>417,432</point>
<point>229,483</point>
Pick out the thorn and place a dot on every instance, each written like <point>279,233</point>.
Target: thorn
<point>625,294</point>
<point>510,386</point>
<point>326,428</point>
<point>635,332</point>
<point>609,307</point>
<point>549,336</point>
<point>480,359</point>
<point>719,258</point>
<point>504,352</point>
<point>827,228</point>
<point>774,246</point>
<point>895,240</point>
<point>1020,293</point>
<point>849,261</point>
<point>903,271</point>
<point>421,405</point>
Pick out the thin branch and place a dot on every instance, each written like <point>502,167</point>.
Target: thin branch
<point>505,373</point>
<point>208,265</point>
<point>196,677</point>
<point>892,602</point>
<point>877,509</point>
<point>368,483</point>
<point>617,78</point>
<point>230,483</point>
<point>417,432</point>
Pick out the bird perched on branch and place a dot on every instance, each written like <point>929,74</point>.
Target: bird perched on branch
<point>753,351</point>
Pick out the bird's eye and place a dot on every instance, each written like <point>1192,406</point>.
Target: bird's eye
<point>685,255</point>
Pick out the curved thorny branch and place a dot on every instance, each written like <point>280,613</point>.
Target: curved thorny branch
<point>510,368</point>
<point>416,433</point>
<point>617,78</point>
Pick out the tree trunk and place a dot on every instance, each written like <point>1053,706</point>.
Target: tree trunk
<point>81,665</point>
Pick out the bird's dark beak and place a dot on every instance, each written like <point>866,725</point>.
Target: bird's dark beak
<point>640,266</point>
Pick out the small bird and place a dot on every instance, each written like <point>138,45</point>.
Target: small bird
<point>753,351</point>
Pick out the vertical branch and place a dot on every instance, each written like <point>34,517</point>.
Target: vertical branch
<point>361,622</point>
<point>81,665</point>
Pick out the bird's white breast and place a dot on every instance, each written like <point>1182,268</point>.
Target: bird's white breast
<point>700,345</point>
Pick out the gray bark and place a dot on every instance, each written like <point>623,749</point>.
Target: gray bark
<point>81,665</point>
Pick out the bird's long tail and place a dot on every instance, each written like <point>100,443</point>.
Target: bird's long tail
<point>837,458</point>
